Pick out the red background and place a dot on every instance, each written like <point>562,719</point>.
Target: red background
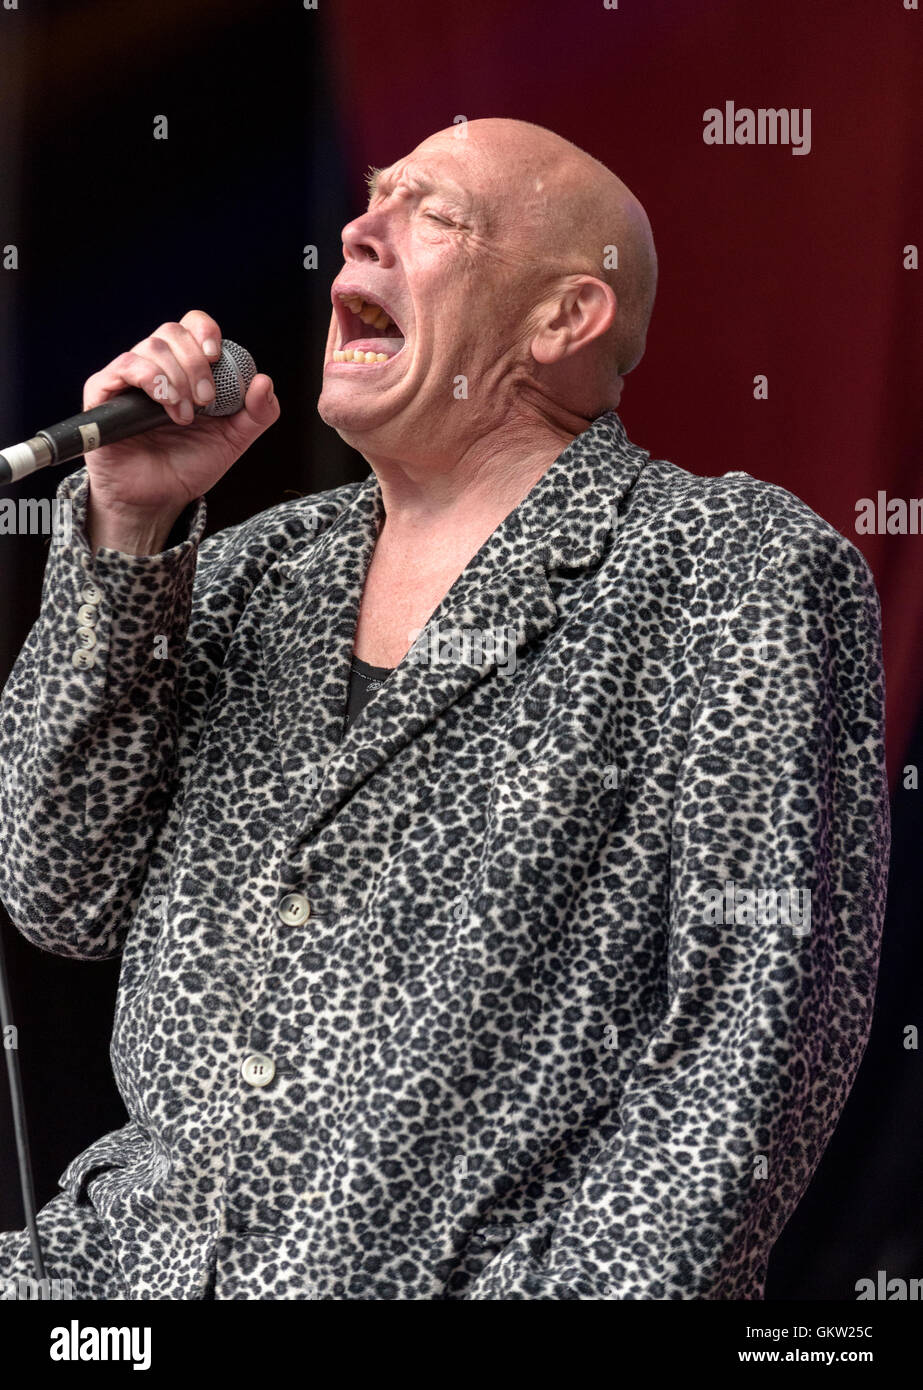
<point>770,262</point>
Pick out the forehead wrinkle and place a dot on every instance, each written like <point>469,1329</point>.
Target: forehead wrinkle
<point>381,181</point>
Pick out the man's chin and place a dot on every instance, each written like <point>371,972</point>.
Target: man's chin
<point>354,421</point>
<point>349,409</point>
<point>337,406</point>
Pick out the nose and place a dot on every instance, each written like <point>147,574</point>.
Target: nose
<point>363,240</point>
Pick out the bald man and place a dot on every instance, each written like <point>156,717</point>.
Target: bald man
<point>496,846</point>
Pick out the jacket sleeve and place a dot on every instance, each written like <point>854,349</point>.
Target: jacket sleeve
<point>88,734</point>
<point>732,1100</point>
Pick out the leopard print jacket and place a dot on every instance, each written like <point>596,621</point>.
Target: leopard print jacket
<point>550,979</point>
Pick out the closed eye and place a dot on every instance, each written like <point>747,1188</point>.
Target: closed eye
<point>436,218</point>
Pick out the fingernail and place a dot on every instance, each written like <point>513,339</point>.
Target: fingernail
<point>210,347</point>
<point>172,395</point>
<point>186,412</point>
<point>204,390</point>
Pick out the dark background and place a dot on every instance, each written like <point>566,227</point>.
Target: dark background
<point>769,263</point>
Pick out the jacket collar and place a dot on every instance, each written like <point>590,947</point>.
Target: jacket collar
<point>564,523</point>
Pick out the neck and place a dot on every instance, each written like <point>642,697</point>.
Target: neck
<point>462,496</point>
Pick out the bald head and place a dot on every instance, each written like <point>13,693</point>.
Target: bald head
<point>499,266</point>
<point>568,214</point>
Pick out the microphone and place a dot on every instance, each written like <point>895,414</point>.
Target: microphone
<point>130,412</point>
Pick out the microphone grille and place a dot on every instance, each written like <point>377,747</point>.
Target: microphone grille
<point>233,373</point>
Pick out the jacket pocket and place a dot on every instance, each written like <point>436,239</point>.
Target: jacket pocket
<point>498,1240</point>
<point>490,1238</point>
<point>550,808</point>
<point>561,779</point>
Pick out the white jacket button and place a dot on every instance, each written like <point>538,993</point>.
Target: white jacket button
<point>86,637</point>
<point>91,593</point>
<point>258,1070</point>
<point>294,909</point>
<point>83,659</point>
<point>86,614</point>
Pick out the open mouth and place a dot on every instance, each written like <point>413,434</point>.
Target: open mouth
<point>368,333</point>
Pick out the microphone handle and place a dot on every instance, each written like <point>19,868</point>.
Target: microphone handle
<point>130,412</point>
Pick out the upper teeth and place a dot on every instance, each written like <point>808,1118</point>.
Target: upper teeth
<point>372,314</point>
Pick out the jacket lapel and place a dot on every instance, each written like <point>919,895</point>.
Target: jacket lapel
<point>308,626</point>
<point>506,590</point>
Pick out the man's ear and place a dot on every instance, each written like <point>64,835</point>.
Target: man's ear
<point>580,313</point>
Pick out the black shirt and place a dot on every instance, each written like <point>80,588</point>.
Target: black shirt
<point>364,680</point>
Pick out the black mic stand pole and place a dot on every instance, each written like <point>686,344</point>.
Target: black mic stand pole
<point>19,1119</point>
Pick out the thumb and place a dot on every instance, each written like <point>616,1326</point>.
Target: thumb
<point>261,409</point>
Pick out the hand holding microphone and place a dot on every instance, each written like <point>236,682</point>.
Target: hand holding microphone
<point>142,483</point>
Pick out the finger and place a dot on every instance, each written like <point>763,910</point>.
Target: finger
<point>197,385</point>
<point>177,386</point>
<point>129,369</point>
<point>205,330</point>
<point>163,380</point>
